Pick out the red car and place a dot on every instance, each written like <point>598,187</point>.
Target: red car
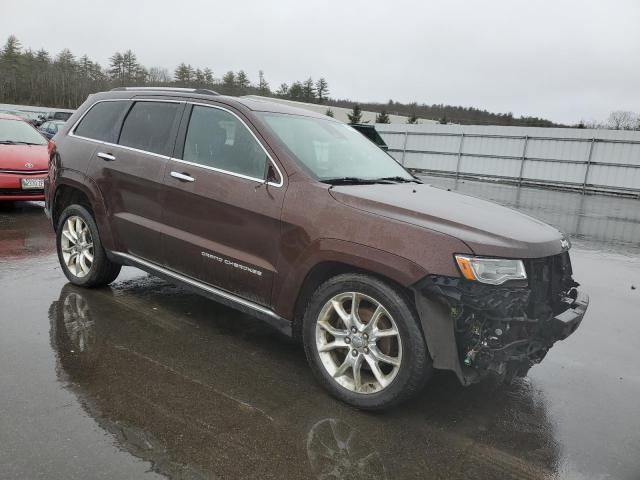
<point>23,160</point>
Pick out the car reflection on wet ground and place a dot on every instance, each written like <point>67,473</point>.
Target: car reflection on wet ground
<point>146,380</point>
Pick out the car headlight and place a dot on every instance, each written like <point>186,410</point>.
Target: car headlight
<point>494,271</point>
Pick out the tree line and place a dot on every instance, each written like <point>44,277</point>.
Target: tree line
<point>65,80</point>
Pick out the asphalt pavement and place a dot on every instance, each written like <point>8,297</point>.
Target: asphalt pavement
<point>147,380</point>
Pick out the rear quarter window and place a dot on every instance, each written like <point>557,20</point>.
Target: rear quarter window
<point>103,120</point>
<point>149,127</point>
<point>62,116</point>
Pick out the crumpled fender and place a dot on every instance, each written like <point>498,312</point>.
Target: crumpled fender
<point>438,329</point>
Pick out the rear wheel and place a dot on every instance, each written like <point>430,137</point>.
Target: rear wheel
<point>363,342</point>
<point>82,257</point>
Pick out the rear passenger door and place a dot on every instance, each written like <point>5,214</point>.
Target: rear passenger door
<point>131,173</point>
<point>223,222</point>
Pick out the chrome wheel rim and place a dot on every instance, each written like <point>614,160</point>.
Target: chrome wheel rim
<point>77,246</point>
<point>358,342</point>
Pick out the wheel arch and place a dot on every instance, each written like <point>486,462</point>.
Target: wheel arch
<point>80,189</point>
<point>335,258</point>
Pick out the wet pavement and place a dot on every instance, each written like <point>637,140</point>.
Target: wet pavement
<point>146,380</point>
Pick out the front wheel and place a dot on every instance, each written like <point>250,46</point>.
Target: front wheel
<point>82,257</point>
<point>363,342</point>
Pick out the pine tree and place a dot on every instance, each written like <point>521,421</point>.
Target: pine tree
<point>322,90</point>
<point>296,91</point>
<point>383,117</point>
<point>229,81</point>
<point>412,119</point>
<point>116,68</point>
<point>242,81</point>
<point>10,69</point>
<point>183,75</point>
<point>329,113</point>
<point>356,115</point>
<point>309,90</point>
<point>263,85</point>
<point>130,67</point>
<point>208,77</point>
<point>199,77</point>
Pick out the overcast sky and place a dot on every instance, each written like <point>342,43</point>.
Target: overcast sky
<point>563,60</point>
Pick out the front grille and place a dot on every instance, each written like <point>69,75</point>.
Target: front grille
<point>549,281</point>
<point>24,172</point>
<point>17,191</point>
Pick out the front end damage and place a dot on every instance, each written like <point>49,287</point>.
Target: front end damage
<point>477,329</point>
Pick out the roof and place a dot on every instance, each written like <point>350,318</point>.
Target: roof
<point>339,113</point>
<point>263,105</point>
<point>6,116</point>
<point>253,103</point>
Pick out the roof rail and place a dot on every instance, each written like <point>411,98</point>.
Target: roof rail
<point>201,91</point>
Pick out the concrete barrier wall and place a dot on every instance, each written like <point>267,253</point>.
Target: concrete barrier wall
<point>605,161</point>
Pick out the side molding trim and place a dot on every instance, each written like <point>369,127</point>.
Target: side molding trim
<point>229,299</point>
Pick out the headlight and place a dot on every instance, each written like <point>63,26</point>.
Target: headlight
<point>495,271</point>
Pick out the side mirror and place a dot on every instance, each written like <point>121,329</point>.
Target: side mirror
<point>271,176</point>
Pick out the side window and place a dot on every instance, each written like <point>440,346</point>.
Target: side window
<point>217,139</point>
<point>102,122</point>
<point>148,126</point>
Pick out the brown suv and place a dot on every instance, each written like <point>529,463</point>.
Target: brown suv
<point>301,221</point>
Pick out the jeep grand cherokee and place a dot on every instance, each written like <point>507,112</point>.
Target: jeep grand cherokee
<point>301,221</point>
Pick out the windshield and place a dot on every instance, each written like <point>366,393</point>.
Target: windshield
<point>333,150</point>
<point>17,131</point>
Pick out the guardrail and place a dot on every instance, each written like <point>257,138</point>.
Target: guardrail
<point>574,159</point>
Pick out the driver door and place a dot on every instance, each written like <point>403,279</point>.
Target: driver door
<point>222,218</point>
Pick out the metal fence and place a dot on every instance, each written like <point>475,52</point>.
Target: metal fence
<point>586,160</point>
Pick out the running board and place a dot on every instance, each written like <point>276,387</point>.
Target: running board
<point>226,298</point>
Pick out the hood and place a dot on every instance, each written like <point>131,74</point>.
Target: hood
<point>487,228</point>
<point>15,157</point>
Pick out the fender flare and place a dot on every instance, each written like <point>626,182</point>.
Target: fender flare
<point>86,185</point>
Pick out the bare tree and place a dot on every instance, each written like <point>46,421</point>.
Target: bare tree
<point>622,120</point>
<point>158,76</point>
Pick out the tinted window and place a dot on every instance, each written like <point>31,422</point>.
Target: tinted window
<point>103,121</point>
<point>216,138</point>
<point>148,127</point>
<point>62,116</point>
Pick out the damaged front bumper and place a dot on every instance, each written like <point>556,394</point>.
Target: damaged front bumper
<point>476,330</point>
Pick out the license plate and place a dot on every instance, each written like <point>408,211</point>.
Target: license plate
<point>32,183</point>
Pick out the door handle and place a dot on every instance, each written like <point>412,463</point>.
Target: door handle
<point>106,156</point>
<point>183,177</point>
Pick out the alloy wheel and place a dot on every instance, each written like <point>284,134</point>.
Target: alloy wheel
<point>358,342</point>
<point>77,246</point>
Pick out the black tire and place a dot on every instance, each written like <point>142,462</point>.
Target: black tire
<point>415,367</point>
<point>102,271</point>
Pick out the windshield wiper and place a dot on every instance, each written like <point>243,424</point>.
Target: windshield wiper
<point>353,181</point>
<point>400,179</point>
